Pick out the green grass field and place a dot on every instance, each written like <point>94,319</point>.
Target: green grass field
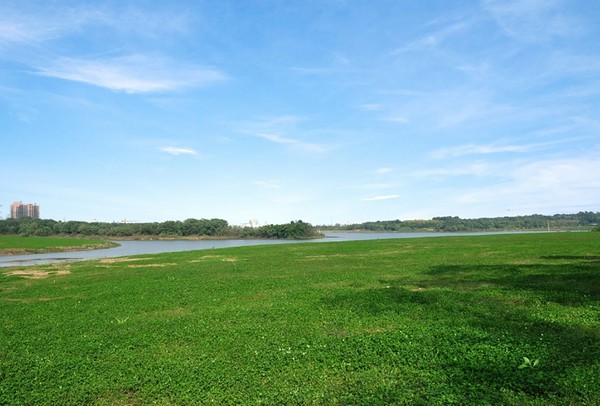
<point>446,320</point>
<point>10,244</point>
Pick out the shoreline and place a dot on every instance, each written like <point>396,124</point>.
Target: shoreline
<point>49,250</point>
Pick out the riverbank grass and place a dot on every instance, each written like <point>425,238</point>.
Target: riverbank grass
<point>16,245</point>
<point>503,319</point>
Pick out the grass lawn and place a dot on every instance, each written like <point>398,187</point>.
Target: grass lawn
<point>445,320</point>
<point>10,244</point>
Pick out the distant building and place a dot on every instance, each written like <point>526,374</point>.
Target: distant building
<point>18,210</point>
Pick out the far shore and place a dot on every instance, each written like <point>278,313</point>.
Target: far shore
<point>112,242</point>
<point>45,250</point>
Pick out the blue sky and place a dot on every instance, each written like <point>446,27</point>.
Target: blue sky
<point>326,111</point>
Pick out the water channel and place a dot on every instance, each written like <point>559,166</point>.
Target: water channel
<point>127,248</point>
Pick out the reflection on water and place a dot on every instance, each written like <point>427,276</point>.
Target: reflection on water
<point>127,248</point>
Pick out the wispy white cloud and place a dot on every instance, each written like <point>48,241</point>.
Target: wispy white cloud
<point>445,107</point>
<point>460,106</point>
<point>178,151</point>
<point>281,130</point>
<point>543,183</point>
<point>568,64</point>
<point>25,28</point>
<point>432,39</point>
<point>270,124</point>
<point>224,140</point>
<point>370,106</point>
<point>276,122</point>
<point>477,169</point>
<point>496,148</point>
<point>374,186</point>
<point>381,197</point>
<point>313,71</point>
<point>475,149</point>
<point>35,25</point>
<point>15,32</point>
<point>396,119</point>
<point>145,22</point>
<point>532,20</point>
<point>297,144</point>
<point>133,74</point>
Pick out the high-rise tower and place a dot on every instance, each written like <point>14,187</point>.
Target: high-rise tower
<point>19,210</point>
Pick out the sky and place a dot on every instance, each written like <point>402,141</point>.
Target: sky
<point>326,111</point>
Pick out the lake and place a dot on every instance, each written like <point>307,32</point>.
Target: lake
<point>128,248</point>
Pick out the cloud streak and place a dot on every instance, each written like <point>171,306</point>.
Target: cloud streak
<point>433,39</point>
<point>178,151</point>
<point>531,20</point>
<point>132,74</point>
<point>305,146</point>
<point>38,24</point>
<point>381,197</point>
<point>478,170</point>
<point>551,182</point>
<point>23,28</point>
<point>474,149</point>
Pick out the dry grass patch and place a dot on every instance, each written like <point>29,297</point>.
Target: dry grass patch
<point>41,299</point>
<point>207,257</point>
<point>177,311</point>
<point>119,260</point>
<point>158,265</point>
<point>37,274</point>
<point>323,257</point>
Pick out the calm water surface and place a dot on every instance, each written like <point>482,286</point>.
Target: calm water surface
<point>127,248</point>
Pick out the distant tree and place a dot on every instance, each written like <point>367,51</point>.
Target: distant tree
<point>170,228</point>
<point>148,229</point>
<point>43,231</point>
<point>296,230</point>
<point>588,218</point>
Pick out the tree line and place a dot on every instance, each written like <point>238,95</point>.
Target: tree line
<point>215,228</point>
<point>218,228</point>
<point>581,220</point>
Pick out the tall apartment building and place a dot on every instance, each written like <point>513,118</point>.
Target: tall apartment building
<point>19,210</point>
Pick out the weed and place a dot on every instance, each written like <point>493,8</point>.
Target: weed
<point>527,363</point>
<point>121,320</point>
